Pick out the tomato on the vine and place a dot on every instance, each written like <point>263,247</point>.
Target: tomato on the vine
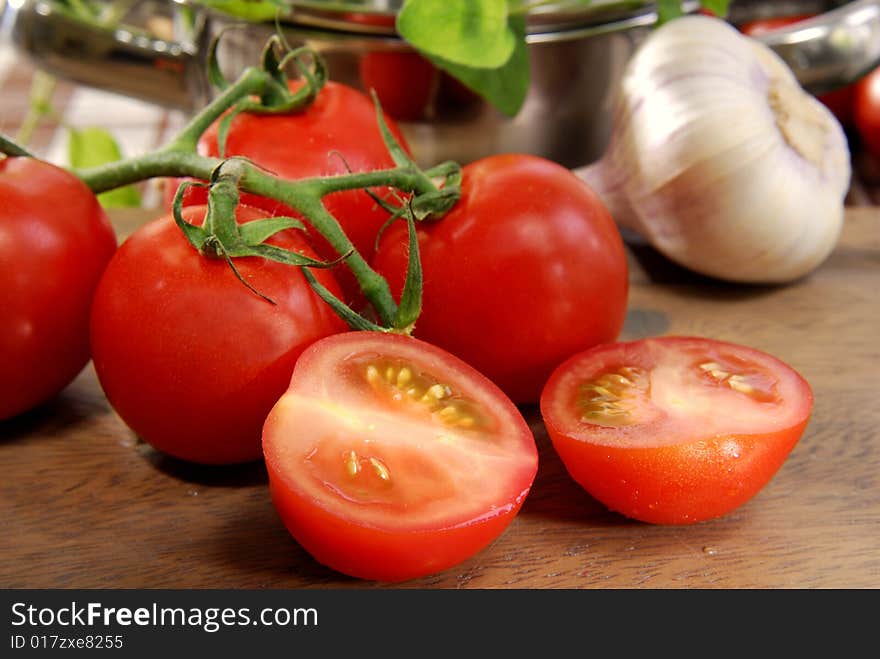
<point>390,459</point>
<point>339,132</point>
<point>55,241</point>
<point>526,269</point>
<point>674,430</point>
<point>190,358</point>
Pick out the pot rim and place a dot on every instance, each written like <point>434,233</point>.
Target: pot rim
<point>550,22</point>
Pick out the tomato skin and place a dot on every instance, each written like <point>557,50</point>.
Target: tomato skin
<point>525,270</point>
<point>55,241</point>
<point>866,114</point>
<point>700,476</point>
<point>390,556</point>
<point>338,132</point>
<point>404,82</point>
<point>389,541</point>
<point>189,358</point>
<point>681,484</point>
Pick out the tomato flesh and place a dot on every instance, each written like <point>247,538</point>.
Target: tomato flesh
<point>390,459</point>
<point>674,430</point>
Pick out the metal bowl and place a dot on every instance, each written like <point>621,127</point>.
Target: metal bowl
<point>576,57</point>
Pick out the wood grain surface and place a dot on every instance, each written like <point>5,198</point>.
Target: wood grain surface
<point>84,504</point>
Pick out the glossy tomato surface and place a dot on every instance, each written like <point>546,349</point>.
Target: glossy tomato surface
<point>338,133</point>
<point>527,269</point>
<point>866,113</point>
<point>188,356</point>
<point>55,242</point>
<point>390,459</point>
<point>674,430</point>
<point>404,82</point>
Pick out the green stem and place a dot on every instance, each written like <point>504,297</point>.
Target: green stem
<point>10,148</point>
<point>40,105</point>
<point>162,163</point>
<point>180,159</point>
<point>303,196</point>
<point>374,287</point>
<point>252,81</point>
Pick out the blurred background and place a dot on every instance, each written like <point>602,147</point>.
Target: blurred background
<point>60,80</point>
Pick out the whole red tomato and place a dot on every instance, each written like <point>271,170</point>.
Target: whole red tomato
<point>55,241</point>
<point>338,132</point>
<point>867,111</point>
<point>188,356</point>
<point>527,269</point>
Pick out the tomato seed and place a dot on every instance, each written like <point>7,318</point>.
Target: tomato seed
<point>352,464</point>
<point>381,469</point>
<point>400,382</point>
<point>438,391</point>
<point>403,377</point>
<point>738,383</point>
<point>609,398</point>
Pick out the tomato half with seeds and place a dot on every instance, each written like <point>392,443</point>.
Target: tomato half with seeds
<point>674,430</point>
<point>390,459</point>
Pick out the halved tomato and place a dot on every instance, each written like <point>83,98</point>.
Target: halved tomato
<point>390,459</point>
<point>674,430</point>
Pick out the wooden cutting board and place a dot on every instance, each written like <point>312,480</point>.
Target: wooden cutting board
<point>84,504</point>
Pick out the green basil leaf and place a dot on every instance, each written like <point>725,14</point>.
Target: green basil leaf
<point>717,7</point>
<point>91,147</point>
<point>465,32</point>
<point>255,11</point>
<point>504,87</point>
<point>667,10</point>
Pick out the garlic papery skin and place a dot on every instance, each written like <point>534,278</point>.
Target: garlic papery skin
<point>720,160</point>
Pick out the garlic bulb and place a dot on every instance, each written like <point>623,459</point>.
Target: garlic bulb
<point>720,159</point>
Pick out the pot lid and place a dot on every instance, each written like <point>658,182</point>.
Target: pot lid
<point>377,16</point>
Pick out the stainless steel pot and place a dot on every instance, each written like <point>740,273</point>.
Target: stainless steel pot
<point>576,58</point>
